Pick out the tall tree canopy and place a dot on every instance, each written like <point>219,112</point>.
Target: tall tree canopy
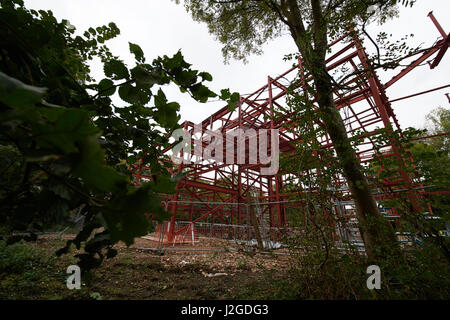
<point>244,25</point>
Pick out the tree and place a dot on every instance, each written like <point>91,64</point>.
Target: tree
<point>66,147</point>
<point>439,123</point>
<point>431,153</point>
<point>432,161</point>
<point>244,25</point>
<point>431,171</point>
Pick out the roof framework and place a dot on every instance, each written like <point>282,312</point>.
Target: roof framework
<point>220,185</point>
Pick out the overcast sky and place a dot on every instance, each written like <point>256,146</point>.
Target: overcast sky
<point>162,27</point>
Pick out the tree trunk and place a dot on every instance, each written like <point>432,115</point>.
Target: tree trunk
<point>378,235</point>
<point>254,222</point>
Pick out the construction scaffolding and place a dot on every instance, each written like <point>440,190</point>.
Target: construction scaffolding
<point>214,197</point>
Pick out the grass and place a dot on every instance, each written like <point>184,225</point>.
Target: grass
<point>31,271</point>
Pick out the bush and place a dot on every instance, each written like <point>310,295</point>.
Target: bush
<point>424,274</point>
<point>17,258</point>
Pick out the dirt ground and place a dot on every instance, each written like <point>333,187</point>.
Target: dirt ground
<point>220,256</point>
<point>137,273</point>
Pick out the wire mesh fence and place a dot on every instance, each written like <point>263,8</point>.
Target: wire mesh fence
<point>221,226</point>
<point>215,225</point>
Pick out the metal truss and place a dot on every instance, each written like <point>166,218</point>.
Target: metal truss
<point>214,191</point>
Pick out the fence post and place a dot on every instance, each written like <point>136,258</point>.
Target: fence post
<point>254,222</point>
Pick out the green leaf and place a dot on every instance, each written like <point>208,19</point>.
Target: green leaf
<point>89,167</point>
<point>232,102</point>
<point>137,51</point>
<point>16,94</point>
<point>126,217</point>
<point>202,93</point>
<point>134,95</point>
<point>186,78</point>
<point>160,99</point>
<point>225,94</point>
<point>72,126</point>
<point>205,76</point>
<point>116,70</point>
<point>177,61</point>
<point>106,88</point>
<point>145,77</point>
<point>167,116</point>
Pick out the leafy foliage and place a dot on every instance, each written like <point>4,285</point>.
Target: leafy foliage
<point>243,26</point>
<point>319,268</point>
<point>429,170</point>
<point>17,258</point>
<point>67,146</point>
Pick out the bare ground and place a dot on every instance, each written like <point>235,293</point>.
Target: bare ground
<point>143,274</point>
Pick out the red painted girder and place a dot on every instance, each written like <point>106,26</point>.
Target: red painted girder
<point>201,185</point>
<point>441,53</point>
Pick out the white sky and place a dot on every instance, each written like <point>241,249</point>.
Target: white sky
<point>162,27</point>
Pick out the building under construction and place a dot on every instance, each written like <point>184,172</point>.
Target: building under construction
<point>214,197</point>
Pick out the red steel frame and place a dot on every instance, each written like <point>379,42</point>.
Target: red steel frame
<point>364,108</point>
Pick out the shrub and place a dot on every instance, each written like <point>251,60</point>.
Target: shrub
<point>18,257</point>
